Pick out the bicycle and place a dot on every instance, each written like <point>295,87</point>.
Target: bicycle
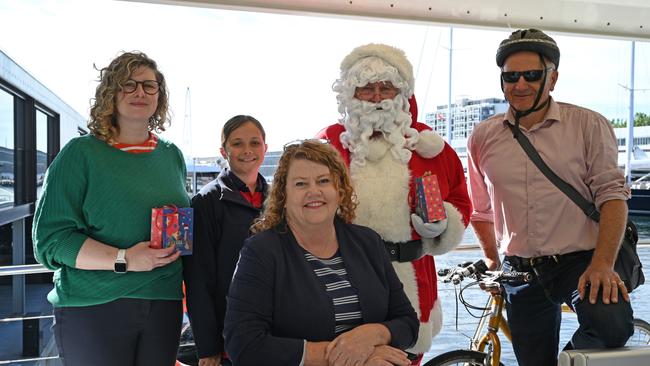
<point>485,346</point>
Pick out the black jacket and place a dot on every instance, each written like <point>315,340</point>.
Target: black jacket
<point>276,301</point>
<point>222,220</point>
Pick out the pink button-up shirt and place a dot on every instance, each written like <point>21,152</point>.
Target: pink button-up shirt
<point>531,216</point>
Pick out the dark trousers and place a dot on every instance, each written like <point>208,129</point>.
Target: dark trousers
<point>534,313</point>
<point>123,332</point>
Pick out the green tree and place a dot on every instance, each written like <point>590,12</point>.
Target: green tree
<point>640,119</point>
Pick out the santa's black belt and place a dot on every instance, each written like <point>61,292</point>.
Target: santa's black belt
<point>404,251</point>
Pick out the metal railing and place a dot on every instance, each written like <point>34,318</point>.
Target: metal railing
<point>30,323</point>
<point>23,269</point>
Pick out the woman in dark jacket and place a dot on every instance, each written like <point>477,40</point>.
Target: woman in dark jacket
<point>311,288</point>
<point>223,212</point>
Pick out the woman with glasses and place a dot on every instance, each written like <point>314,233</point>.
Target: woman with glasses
<point>223,211</point>
<point>116,300</point>
<point>311,288</point>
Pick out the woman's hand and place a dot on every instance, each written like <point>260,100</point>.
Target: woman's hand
<point>210,361</point>
<point>95,255</point>
<point>141,258</point>
<point>387,356</point>
<point>355,346</point>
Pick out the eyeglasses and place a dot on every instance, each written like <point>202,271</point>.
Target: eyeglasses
<point>296,143</point>
<point>150,87</point>
<point>529,75</point>
<point>385,89</point>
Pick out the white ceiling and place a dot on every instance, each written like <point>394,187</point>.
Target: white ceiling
<point>615,18</point>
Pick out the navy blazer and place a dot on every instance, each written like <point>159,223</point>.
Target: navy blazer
<point>276,301</point>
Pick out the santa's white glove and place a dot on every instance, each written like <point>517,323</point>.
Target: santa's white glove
<point>428,230</point>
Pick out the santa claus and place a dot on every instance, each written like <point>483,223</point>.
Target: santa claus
<point>386,149</point>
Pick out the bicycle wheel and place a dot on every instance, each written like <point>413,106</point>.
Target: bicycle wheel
<point>459,357</point>
<point>641,336</point>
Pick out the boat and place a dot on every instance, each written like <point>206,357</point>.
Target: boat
<point>639,203</point>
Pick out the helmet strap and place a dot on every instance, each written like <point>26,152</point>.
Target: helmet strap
<point>520,114</point>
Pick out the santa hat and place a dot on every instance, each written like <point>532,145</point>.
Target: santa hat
<point>413,108</point>
<point>391,55</point>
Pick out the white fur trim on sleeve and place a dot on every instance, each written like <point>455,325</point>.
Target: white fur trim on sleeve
<point>429,144</point>
<point>428,330</point>
<point>451,237</point>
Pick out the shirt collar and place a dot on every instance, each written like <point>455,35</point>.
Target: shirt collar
<point>241,186</point>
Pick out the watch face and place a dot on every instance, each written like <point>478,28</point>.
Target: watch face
<point>120,267</point>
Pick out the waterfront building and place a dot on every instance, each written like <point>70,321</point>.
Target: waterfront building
<point>465,114</point>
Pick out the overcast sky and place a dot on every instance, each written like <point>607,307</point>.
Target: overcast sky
<point>280,68</point>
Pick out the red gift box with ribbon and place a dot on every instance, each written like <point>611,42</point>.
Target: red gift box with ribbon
<point>172,226</point>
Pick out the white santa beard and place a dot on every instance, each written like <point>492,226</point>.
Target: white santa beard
<point>364,118</point>
<point>382,189</point>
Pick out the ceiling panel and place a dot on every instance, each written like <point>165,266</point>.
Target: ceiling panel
<point>615,18</point>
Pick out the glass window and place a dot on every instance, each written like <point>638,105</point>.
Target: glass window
<point>41,150</point>
<point>7,172</point>
<point>6,239</point>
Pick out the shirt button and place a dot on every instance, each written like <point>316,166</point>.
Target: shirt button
<point>392,251</point>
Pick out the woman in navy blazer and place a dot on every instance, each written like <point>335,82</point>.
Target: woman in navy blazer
<point>311,288</point>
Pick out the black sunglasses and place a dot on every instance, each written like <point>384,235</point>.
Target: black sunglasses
<point>529,75</point>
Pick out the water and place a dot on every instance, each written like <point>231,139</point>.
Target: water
<point>457,330</point>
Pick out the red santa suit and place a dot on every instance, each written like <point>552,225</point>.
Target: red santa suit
<point>385,192</point>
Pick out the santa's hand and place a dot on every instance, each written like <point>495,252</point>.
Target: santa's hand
<point>428,230</point>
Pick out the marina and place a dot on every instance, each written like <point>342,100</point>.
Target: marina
<point>276,60</point>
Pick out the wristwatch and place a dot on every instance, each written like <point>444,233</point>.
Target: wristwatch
<point>120,262</point>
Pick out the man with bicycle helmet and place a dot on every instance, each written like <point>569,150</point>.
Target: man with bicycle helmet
<point>538,228</point>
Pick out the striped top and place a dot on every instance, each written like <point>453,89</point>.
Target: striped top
<point>143,147</point>
<point>347,311</point>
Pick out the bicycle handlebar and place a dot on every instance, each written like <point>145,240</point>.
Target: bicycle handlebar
<point>479,271</point>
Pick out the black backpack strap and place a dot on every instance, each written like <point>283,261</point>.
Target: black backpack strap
<point>587,207</point>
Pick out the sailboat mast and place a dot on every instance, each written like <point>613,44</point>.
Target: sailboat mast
<point>449,108</point>
<point>629,142</point>
<point>187,136</point>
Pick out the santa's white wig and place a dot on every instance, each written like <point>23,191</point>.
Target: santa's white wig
<point>369,64</point>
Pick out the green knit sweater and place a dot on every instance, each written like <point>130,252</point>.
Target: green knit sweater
<point>95,190</point>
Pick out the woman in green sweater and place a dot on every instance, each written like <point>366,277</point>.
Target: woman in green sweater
<point>116,301</point>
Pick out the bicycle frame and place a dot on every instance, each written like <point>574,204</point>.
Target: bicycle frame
<point>489,342</point>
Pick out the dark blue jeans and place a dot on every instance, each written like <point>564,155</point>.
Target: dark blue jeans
<point>534,314</point>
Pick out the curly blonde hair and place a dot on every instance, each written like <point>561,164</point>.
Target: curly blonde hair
<point>312,150</point>
<point>103,112</point>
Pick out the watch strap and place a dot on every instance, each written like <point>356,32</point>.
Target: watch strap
<point>120,265</point>
<point>121,255</point>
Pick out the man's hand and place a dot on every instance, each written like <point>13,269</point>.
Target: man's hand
<point>599,275</point>
<point>387,356</point>
<point>210,361</point>
<point>428,230</point>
